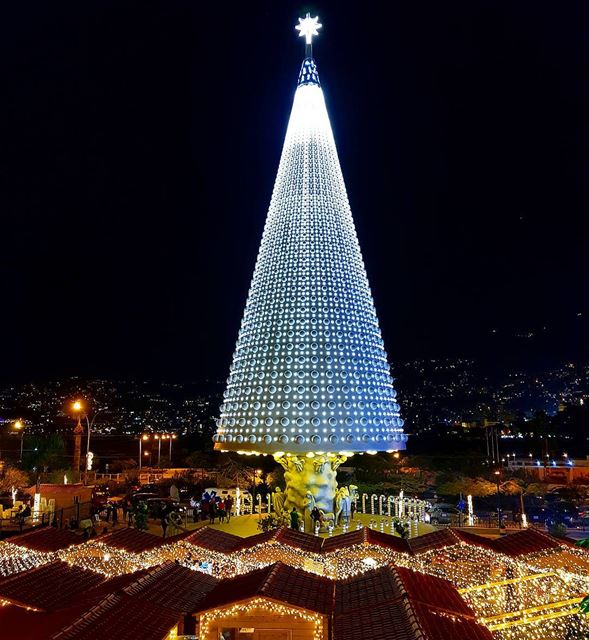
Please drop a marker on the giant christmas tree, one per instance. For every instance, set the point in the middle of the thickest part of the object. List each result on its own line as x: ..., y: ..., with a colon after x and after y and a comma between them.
x: 309, y: 382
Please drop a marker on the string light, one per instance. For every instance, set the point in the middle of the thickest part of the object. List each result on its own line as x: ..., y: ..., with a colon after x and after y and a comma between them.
x: 260, y: 606
x: 531, y: 597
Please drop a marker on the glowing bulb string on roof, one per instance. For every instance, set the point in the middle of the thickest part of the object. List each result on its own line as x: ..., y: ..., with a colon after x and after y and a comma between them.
x: 262, y: 607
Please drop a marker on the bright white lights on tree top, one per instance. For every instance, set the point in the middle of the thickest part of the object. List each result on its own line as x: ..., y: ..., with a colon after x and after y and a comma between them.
x: 308, y: 27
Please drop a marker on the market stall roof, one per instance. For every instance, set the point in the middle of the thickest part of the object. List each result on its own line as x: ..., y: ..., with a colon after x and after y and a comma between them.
x: 431, y: 590
x: 436, y: 624
x: 367, y: 590
x: 277, y: 582
x: 49, y: 587
x: 46, y: 539
x: 365, y: 535
x: 215, y: 540
x: 524, y: 542
x: 223, y: 542
x: 434, y: 540
x: 380, y: 622
x: 172, y: 586
x: 135, y: 541
x: 123, y: 617
x: 31, y: 625
x: 395, y: 603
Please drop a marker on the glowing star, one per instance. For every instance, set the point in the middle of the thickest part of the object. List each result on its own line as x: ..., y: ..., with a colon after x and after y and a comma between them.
x: 308, y: 27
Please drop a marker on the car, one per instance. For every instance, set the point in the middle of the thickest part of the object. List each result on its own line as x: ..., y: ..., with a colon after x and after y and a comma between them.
x: 156, y: 507
x: 444, y: 514
x: 100, y: 496
x: 147, y: 488
x: 136, y: 498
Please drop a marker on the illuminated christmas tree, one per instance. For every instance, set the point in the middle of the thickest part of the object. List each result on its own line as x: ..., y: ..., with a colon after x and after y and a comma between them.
x: 310, y: 382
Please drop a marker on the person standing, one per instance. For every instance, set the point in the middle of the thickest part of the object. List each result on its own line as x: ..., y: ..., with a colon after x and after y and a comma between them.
x: 229, y: 507
x: 222, y: 512
x: 294, y: 519
x: 194, y: 507
x: 315, y: 516
x: 164, y: 520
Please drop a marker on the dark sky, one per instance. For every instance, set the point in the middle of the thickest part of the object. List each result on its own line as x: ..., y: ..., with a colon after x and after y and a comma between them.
x: 140, y: 141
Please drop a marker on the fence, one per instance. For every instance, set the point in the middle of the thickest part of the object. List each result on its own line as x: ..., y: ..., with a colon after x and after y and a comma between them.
x: 61, y: 517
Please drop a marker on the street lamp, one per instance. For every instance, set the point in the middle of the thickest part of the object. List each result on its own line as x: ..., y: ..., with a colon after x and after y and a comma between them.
x: 78, y: 408
x: 497, y: 475
x: 159, y: 447
x: 173, y: 436
x: 142, y: 438
x: 19, y: 426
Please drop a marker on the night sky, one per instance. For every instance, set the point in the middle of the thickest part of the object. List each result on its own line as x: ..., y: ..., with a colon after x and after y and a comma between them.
x: 140, y: 142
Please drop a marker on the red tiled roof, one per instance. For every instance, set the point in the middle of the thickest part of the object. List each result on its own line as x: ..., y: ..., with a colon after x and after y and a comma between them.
x: 435, y: 540
x: 525, y: 541
x: 238, y: 588
x: 387, y: 540
x: 266, y: 537
x: 431, y: 590
x: 399, y: 604
x: 344, y: 540
x: 366, y: 590
x: 381, y: 622
x: 31, y: 625
x: 133, y: 540
x: 474, y: 539
x: 122, y: 617
x: 224, y: 542
x: 214, y: 540
x: 439, y: 625
x: 173, y: 586
x: 48, y: 587
x: 304, y: 541
x: 46, y: 539
x: 277, y: 582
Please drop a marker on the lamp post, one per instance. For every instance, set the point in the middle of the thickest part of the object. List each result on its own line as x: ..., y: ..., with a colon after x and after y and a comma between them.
x: 257, y: 474
x: 78, y: 408
x: 19, y: 426
x: 159, y: 447
x: 173, y: 436
x: 142, y: 438
x: 497, y: 475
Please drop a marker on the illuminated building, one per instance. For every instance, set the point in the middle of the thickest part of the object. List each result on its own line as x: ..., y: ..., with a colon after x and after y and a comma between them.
x: 309, y: 382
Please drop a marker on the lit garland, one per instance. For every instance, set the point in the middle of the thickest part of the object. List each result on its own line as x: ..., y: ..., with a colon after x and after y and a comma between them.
x: 14, y: 558
x: 100, y: 558
x: 532, y: 597
x: 261, y: 606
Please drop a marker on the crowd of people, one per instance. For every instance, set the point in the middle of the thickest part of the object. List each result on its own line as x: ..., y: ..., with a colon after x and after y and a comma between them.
x: 212, y: 506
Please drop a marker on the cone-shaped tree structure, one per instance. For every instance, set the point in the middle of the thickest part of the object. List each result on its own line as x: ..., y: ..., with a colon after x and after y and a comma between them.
x: 310, y: 375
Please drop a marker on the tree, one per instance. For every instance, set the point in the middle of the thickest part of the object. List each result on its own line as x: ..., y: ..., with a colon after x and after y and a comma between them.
x: 476, y: 487
x: 13, y: 477
x: 140, y: 516
x: 48, y: 451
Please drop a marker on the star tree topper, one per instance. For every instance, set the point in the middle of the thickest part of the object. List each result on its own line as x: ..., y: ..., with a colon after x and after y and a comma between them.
x: 308, y: 27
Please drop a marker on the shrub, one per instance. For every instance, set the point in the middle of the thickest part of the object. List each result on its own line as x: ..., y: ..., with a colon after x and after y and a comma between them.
x: 557, y: 530
x: 273, y: 521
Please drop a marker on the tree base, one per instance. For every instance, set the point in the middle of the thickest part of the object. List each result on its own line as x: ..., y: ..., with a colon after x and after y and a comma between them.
x: 311, y: 482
